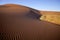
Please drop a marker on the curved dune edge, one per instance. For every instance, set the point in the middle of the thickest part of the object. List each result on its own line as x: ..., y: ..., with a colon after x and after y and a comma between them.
x: 14, y: 28
x: 53, y: 17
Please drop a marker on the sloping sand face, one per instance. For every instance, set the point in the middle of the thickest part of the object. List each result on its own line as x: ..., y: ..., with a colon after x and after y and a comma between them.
x: 13, y: 26
x: 19, y: 9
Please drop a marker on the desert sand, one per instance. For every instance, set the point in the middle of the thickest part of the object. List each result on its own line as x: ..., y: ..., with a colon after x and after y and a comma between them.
x: 15, y: 27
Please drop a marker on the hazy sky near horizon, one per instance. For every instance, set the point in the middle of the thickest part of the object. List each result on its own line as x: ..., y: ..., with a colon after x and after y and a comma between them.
x: 52, y: 5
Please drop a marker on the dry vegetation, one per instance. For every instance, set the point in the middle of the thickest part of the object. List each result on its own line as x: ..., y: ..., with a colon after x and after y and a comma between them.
x: 51, y: 16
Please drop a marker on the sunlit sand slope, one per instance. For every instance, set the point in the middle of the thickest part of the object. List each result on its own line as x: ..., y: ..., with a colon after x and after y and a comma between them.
x: 53, y: 17
x: 50, y: 16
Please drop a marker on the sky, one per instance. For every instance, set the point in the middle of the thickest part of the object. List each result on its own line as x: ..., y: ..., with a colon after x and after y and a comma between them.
x: 49, y: 5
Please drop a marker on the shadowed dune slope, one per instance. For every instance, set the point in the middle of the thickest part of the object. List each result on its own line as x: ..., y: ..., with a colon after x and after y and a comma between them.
x: 15, y: 26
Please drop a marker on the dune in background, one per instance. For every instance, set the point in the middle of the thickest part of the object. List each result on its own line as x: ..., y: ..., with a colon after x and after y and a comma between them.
x: 51, y: 16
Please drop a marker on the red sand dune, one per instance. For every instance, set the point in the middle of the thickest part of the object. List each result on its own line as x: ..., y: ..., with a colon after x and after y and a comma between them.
x: 13, y: 27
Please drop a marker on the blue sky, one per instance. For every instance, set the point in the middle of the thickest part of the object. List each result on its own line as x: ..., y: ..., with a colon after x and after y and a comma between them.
x: 52, y: 5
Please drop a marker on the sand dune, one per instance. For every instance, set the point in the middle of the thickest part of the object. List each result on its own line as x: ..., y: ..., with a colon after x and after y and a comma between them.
x: 50, y: 12
x: 13, y: 27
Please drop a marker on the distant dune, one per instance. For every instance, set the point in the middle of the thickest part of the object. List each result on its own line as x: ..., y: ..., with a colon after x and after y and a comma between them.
x: 50, y: 12
x: 51, y: 16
